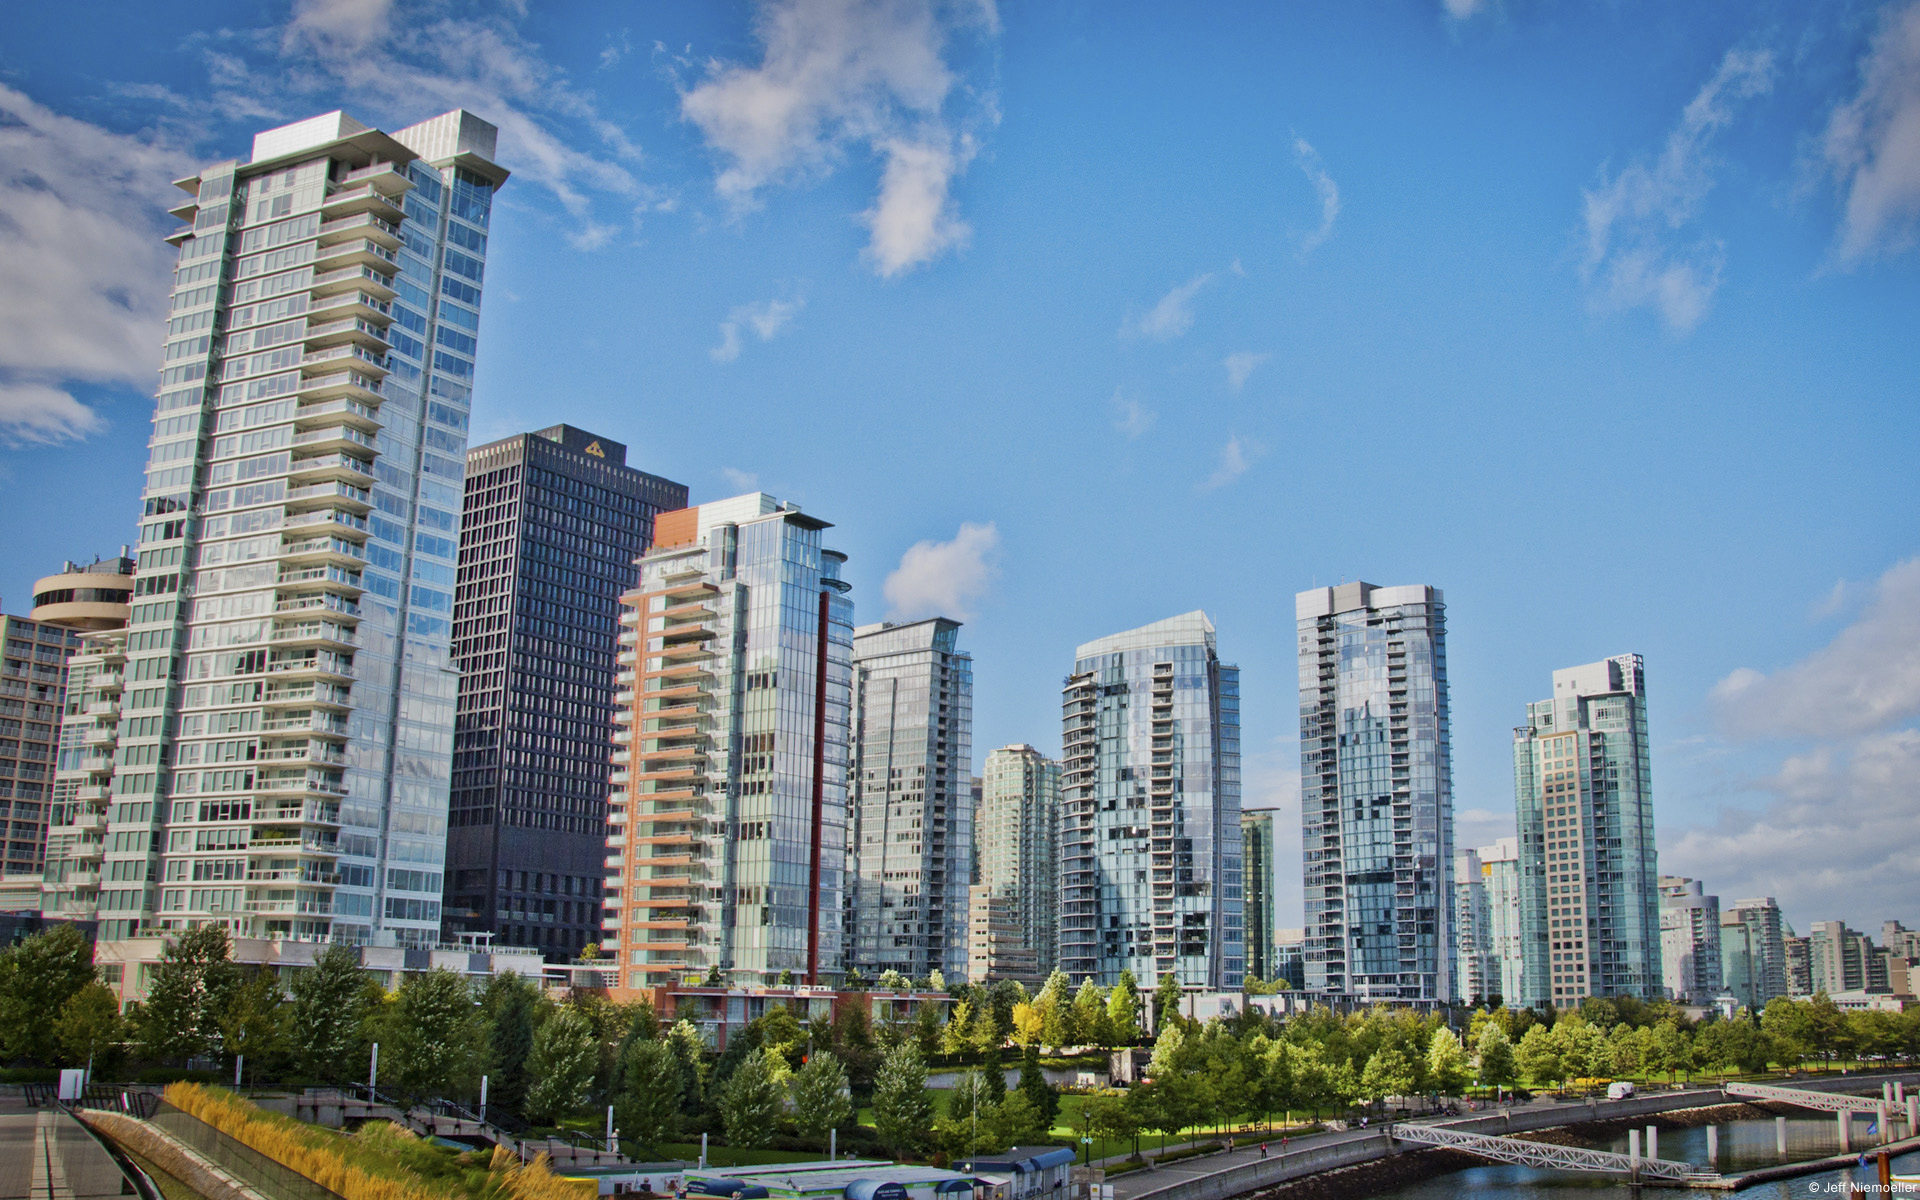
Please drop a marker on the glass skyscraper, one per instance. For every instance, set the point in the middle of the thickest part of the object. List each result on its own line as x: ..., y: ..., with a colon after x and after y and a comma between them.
x: 1150, y: 809
x: 552, y: 525
x: 1753, y: 960
x: 281, y: 754
x: 727, y: 809
x: 1583, y: 795
x: 1256, y: 840
x: 910, y: 857
x: 1018, y: 831
x: 1376, y: 792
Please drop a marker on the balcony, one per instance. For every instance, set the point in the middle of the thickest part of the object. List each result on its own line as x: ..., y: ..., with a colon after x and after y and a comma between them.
x: 338, y: 468
x: 353, y: 304
x: 362, y: 225
x: 318, y: 362
x: 353, y: 252
x: 330, y: 695
x: 329, y: 521
x: 363, y: 197
x: 337, y: 437
x: 330, y: 550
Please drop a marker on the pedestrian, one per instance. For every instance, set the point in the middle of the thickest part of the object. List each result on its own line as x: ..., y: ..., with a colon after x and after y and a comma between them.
x: 1263, y: 1149
x: 1229, y: 1143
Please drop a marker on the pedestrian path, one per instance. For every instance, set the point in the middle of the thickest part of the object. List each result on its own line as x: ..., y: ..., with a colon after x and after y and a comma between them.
x: 47, y: 1155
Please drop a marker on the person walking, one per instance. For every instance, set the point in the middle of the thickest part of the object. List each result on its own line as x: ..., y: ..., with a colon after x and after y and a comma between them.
x: 1263, y: 1149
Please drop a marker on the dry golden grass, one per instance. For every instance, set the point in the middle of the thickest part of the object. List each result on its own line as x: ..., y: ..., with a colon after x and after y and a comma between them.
x: 328, y: 1158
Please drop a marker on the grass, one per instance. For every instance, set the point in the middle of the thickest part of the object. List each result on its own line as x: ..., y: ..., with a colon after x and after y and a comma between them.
x: 170, y: 1188
x: 725, y: 1156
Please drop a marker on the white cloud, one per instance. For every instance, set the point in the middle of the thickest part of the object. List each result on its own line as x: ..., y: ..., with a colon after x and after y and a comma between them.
x: 842, y: 73
x: 1172, y: 316
x: 740, y: 481
x: 762, y: 319
x: 1865, y: 680
x: 1323, y: 186
x: 1872, y: 143
x: 1477, y: 827
x: 912, y: 220
x: 944, y: 578
x: 1240, y: 365
x: 1235, y: 457
x: 1837, y: 840
x: 1131, y: 417
x: 396, y: 64
x: 84, y: 275
x: 1632, y: 220
x: 40, y: 414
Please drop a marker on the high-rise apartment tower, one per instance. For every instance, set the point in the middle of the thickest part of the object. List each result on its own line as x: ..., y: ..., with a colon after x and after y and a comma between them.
x: 1376, y: 792
x: 910, y: 855
x: 1256, y: 852
x: 1690, y: 951
x: 1476, y: 970
x: 727, y: 809
x: 1017, y: 828
x: 1150, y: 809
x: 552, y: 525
x: 1583, y: 796
x: 1500, y: 869
x: 1753, y: 956
x: 286, y: 723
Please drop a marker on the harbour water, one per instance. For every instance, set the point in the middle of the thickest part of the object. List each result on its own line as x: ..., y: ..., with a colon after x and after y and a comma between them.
x: 1743, y: 1146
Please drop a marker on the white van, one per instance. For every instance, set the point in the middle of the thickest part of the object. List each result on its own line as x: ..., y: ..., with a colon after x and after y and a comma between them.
x: 1619, y: 1091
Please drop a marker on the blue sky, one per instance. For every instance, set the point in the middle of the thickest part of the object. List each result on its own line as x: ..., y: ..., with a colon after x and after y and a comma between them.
x: 1600, y: 317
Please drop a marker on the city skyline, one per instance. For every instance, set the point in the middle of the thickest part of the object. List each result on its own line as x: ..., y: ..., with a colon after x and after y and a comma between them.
x: 1186, y: 375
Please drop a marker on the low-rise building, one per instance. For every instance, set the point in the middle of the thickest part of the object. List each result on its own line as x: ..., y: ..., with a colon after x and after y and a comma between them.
x: 126, y: 965
x: 1022, y: 1173
x: 718, y: 1011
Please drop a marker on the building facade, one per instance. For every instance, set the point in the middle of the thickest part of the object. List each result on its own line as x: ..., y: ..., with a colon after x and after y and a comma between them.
x: 1796, y: 953
x: 1476, y: 973
x: 551, y: 527
x: 1256, y: 852
x: 1376, y: 797
x: 1838, y: 958
x: 1690, y: 949
x: 910, y: 855
x: 1017, y: 829
x: 1150, y: 855
x: 727, y: 805
x: 90, y: 604
x: 1583, y: 796
x: 996, y: 943
x: 1500, y: 868
x: 33, y: 699
x: 286, y: 723
x: 1753, y: 960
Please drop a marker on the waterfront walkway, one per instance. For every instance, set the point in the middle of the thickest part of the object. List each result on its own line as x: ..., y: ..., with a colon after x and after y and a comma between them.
x: 47, y: 1155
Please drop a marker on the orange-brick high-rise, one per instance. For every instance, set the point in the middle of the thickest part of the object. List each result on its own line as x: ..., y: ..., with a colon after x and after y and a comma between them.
x: 727, y: 816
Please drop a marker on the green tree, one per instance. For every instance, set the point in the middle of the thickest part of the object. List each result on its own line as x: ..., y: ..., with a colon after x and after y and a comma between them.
x: 928, y: 1032
x: 1123, y: 1010
x: 690, y: 1059
x: 1166, y: 1000
x: 648, y: 1105
x: 1389, y: 1072
x: 561, y: 1066
x: 1584, y: 1051
x: 983, y: 1036
x: 1272, y: 1087
x: 820, y: 1101
x: 1668, y: 1050
x: 1788, y: 1027
x: 956, y: 1038
x: 902, y: 1109
x: 512, y: 1007
x: 1090, y: 1016
x: 971, y: 1124
x: 1538, y: 1057
x: 1448, y: 1071
x: 1496, y: 1056
x: 184, y: 995
x: 433, y: 1037
x: 37, y: 978
x: 1043, y: 1096
x: 327, y: 1015
x: 755, y: 1100
x: 249, y: 1018
x: 1169, y: 1051
x: 90, y: 1029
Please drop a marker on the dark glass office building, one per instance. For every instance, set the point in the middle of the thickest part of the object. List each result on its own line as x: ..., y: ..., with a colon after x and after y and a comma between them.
x: 553, y: 523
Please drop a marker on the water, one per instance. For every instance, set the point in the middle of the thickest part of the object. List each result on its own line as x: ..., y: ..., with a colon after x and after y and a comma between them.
x: 1744, y: 1146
